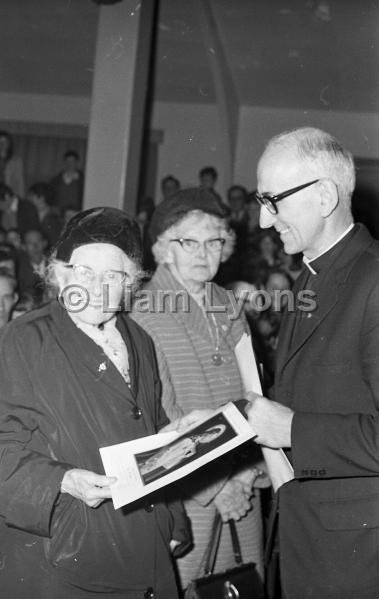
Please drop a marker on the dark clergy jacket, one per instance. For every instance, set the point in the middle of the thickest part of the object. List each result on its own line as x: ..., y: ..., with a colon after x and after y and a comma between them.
x: 329, y: 374
x: 61, y: 399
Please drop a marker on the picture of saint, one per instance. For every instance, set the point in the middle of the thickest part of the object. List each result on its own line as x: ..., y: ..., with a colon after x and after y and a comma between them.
x: 197, y: 442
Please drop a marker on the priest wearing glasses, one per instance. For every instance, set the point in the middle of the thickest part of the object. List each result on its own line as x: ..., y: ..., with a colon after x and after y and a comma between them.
x: 327, y: 373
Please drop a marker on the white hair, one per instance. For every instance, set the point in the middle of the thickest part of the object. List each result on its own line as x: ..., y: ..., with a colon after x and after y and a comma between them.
x: 323, y: 153
x: 161, y: 246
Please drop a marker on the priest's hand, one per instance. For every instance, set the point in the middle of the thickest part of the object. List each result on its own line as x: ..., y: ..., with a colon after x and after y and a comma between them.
x: 88, y: 486
x: 270, y: 420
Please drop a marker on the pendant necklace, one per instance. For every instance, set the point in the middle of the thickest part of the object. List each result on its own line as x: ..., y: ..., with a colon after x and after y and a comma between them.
x: 216, y: 357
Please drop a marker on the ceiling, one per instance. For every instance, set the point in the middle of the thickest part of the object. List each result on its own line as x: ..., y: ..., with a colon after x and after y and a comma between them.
x: 309, y: 54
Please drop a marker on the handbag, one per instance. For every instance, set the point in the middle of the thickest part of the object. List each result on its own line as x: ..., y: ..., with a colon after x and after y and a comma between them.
x: 241, y: 582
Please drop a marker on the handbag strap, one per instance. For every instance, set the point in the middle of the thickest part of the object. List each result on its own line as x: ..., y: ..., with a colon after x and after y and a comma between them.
x: 208, y: 560
x: 235, y: 542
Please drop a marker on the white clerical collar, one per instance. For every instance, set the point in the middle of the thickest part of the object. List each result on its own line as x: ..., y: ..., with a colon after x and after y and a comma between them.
x: 308, y: 261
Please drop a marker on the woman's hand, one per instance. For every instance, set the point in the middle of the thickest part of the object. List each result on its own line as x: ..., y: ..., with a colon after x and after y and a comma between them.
x: 233, y: 502
x: 181, y: 425
x: 88, y: 486
x: 256, y: 477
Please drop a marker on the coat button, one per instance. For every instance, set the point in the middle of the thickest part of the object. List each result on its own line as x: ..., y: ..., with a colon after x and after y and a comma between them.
x: 136, y: 413
x: 149, y: 593
x: 149, y: 507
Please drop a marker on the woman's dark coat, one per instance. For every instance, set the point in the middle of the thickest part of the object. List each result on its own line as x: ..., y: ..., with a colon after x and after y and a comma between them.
x: 61, y: 399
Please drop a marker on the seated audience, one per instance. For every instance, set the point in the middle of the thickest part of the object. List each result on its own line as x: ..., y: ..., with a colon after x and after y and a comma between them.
x: 207, y: 180
x: 13, y: 237
x: 169, y: 185
x: 67, y: 186
x: 8, y: 295
x: 278, y: 284
x: 11, y: 166
x: 8, y: 258
x: 253, y: 209
x: 50, y: 220
x: 16, y: 213
x: 238, y: 219
x: 68, y: 214
x: 292, y: 264
x: 32, y: 266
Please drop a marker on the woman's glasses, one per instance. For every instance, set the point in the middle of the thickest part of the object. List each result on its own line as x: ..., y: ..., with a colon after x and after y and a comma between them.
x: 192, y: 246
x: 86, y: 275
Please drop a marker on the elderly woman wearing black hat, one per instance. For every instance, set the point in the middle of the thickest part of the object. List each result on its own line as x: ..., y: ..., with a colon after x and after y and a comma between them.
x: 77, y: 375
x: 191, y: 322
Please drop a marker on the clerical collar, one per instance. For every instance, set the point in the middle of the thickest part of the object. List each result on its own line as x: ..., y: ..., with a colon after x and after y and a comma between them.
x: 315, y: 264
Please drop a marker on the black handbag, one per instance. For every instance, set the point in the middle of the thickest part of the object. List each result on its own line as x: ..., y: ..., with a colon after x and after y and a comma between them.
x: 241, y: 582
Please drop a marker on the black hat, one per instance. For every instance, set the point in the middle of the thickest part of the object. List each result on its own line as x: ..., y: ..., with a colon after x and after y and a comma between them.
x: 179, y: 204
x: 100, y: 225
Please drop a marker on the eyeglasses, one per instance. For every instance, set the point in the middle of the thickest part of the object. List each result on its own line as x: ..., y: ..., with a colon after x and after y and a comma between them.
x: 86, y: 275
x: 269, y: 201
x: 191, y: 246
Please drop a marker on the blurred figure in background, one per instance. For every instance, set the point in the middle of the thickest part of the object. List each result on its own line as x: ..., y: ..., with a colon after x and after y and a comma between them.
x: 238, y: 219
x: 16, y: 213
x: 269, y: 246
x: 32, y: 265
x: 68, y: 214
x: 3, y: 235
x: 291, y: 264
x: 207, y: 180
x: 11, y: 166
x: 169, y: 185
x: 8, y: 258
x: 8, y: 295
x: 13, y: 237
x: 67, y: 186
x: 50, y: 221
x: 252, y: 209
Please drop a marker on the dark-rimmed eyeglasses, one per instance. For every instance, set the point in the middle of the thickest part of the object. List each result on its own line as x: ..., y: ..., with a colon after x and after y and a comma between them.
x: 86, y: 275
x: 191, y: 246
x: 269, y: 201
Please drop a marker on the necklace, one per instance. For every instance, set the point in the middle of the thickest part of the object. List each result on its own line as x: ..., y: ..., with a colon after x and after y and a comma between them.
x: 216, y: 357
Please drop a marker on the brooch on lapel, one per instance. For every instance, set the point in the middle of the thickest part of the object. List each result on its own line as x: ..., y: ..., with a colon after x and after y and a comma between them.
x: 102, y: 367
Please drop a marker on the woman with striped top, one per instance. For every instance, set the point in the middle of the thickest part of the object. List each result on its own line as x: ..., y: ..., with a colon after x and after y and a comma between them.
x: 195, y: 331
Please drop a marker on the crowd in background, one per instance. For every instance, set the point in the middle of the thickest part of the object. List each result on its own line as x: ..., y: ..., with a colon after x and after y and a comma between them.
x: 30, y: 226
x: 30, y: 223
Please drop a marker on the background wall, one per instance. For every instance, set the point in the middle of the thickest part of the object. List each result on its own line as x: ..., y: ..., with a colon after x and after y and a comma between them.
x: 192, y: 138
x: 359, y: 132
x: 192, y: 135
